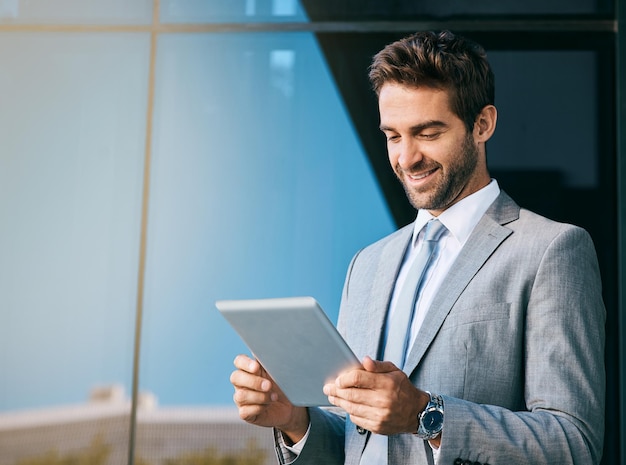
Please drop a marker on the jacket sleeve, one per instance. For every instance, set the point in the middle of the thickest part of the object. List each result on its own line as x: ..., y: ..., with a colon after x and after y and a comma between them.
x: 325, y: 443
x: 562, y: 421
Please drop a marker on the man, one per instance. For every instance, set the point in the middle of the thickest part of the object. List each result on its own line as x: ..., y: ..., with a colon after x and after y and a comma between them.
x: 507, y: 331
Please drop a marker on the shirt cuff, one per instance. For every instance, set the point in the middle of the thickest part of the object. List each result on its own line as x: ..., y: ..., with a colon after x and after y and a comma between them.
x: 436, y: 451
x: 288, y: 454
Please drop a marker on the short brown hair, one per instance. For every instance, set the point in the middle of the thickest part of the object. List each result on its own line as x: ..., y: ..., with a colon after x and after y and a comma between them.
x: 442, y: 61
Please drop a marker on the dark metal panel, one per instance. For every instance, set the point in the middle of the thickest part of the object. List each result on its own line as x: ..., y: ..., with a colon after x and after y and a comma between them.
x: 333, y: 10
x: 620, y: 61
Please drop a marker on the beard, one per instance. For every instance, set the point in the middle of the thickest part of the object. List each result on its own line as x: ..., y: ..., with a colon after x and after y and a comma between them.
x: 451, y: 181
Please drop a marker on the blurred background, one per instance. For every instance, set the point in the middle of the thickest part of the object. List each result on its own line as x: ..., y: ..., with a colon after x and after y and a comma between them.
x: 159, y: 155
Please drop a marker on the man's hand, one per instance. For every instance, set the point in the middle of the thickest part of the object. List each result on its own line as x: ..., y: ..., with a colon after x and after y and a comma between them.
x: 379, y: 398
x: 261, y: 402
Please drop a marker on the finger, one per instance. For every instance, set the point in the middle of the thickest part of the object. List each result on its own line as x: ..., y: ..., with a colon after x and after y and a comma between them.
x: 251, y: 413
x: 373, y: 414
x: 340, y: 402
x: 344, y: 398
x: 329, y: 389
x: 247, y: 397
x: 362, y: 395
x: 375, y: 366
x: 351, y: 402
x: 352, y: 379
x: 336, y: 395
x: 366, y: 424
x: 365, y: 379
x: 243, y: 362
x: 246, y: 380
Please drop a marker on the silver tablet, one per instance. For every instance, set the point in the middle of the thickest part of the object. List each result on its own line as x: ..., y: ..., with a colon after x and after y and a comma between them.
x: 294, y: 341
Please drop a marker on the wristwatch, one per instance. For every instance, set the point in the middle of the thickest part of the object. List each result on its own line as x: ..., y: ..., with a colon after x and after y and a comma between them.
x: 430, y: 420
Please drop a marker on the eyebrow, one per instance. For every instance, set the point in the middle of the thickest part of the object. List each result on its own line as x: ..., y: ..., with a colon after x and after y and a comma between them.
x: 419, y: 127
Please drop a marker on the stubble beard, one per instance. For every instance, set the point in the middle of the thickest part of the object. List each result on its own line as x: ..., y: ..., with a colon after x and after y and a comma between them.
x: 450, y: 183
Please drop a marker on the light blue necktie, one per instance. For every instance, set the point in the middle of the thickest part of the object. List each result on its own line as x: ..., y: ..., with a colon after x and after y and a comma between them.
x: 399, y: 326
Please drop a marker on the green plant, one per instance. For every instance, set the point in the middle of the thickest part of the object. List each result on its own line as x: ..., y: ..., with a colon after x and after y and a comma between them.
x: 96, y: 454
x: 251, y: 455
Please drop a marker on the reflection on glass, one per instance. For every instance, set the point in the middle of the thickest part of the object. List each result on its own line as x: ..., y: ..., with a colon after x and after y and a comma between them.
x: 260, y: 188
x: 282, y: 69
x: 231, y: 11
x: 284, y: 7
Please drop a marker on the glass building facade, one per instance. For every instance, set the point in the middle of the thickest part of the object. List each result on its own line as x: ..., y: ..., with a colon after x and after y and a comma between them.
x: 157, y: 156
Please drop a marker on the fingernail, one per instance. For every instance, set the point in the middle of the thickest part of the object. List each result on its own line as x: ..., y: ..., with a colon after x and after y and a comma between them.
x: 265, y: 385
x: 274, y: 397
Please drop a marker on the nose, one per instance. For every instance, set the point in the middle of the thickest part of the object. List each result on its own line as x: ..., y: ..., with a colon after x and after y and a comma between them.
x: 408, y: 154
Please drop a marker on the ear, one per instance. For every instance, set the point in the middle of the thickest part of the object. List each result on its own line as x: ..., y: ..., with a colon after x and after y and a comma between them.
x: 485, y: 124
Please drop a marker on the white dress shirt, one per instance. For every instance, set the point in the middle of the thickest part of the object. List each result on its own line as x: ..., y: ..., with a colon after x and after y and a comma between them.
x: 460, y: 220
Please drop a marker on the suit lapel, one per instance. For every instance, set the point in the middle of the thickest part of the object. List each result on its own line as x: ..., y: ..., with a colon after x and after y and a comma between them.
x: 387, y: 269
x: 372, y: 320
x: 484, y: 240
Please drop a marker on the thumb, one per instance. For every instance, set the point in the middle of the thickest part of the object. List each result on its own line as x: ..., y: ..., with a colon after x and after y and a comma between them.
x: 376, y: 366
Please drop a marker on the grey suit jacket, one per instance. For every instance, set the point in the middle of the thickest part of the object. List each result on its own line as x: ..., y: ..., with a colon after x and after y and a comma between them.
x: 514, y: 342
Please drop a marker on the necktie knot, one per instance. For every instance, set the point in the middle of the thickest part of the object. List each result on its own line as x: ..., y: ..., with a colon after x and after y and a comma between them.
x: 433, y: 231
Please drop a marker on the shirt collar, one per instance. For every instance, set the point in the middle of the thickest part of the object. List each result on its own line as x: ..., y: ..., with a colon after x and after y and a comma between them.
x: 462, y: 217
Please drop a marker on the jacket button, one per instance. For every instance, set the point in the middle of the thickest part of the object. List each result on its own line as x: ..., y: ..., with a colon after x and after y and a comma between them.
x: 458, y: 461
x: 360, y: 430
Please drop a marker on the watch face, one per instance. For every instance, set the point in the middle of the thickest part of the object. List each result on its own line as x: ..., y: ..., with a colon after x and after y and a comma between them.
x: 432, y: 421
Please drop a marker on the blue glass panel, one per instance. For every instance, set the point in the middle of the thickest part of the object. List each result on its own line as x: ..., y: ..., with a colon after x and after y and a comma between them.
x: 231, y: 11
x: 260, y: 188
x: 76, y: 11
x: 73, y: 124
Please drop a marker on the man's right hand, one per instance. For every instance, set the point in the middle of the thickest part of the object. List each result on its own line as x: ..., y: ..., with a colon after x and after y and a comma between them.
x: 261, y: 402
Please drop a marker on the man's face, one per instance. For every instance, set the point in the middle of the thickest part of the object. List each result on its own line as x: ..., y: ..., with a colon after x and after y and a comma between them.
x: 429, y: 148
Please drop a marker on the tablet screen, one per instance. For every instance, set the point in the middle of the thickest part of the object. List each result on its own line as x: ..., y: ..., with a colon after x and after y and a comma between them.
x: 294, y: 341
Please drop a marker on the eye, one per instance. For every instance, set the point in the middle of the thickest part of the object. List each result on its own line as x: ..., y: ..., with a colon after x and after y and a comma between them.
x: 430, y: 135
x: 392, y: 137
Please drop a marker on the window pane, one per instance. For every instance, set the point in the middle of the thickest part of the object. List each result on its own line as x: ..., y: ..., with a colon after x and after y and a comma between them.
x: 259, y: 189
x: 73, y: 124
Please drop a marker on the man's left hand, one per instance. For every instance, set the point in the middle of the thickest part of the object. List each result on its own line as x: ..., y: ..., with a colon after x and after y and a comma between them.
x: 379, y: 398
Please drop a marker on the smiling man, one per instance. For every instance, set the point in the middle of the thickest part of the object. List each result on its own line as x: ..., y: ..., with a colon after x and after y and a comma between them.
x: 480, y: 326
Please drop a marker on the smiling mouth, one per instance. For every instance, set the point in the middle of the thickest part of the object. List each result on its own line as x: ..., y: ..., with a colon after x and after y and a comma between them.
x: 420, y: 176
